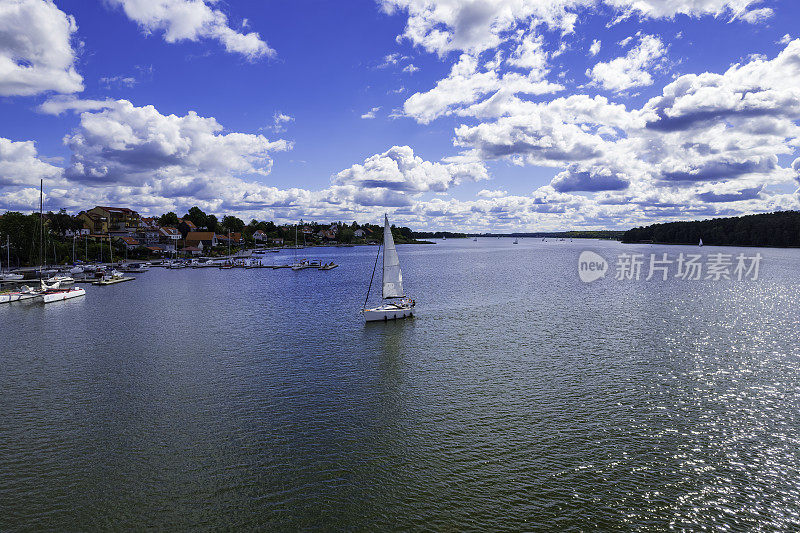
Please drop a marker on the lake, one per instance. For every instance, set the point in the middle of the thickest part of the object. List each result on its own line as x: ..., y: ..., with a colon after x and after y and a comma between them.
x: 518, y: 397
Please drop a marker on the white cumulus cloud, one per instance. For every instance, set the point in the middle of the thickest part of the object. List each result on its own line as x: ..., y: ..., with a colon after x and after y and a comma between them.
x: 36, y: 53
x: 631, y: 70
x: 193, y: 20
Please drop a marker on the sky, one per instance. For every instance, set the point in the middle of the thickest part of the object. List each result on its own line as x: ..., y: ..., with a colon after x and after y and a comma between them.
x: 471, y: 115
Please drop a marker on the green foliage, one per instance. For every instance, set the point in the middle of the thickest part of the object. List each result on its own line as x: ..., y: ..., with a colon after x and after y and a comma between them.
x: 168, y: 219
x: 779, y: 229
x: 211, y: 223
x: 23, y: 232
x: 232, y: 223
x: 197, y: 216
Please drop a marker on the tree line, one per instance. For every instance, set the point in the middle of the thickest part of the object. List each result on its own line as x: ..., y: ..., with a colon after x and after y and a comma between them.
x: 779, y: 229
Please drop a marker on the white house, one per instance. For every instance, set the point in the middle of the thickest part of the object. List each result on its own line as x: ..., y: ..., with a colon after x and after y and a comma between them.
x: 76, y: 233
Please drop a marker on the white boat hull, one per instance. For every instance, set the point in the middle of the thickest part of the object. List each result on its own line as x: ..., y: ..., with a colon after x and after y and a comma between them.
x: 387, y: 312
x: 62, y: 295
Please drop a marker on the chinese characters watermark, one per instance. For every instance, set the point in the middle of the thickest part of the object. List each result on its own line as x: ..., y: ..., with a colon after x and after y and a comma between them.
x: 661, y: 267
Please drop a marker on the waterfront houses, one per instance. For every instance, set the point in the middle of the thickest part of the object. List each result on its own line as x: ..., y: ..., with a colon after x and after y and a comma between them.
x: 201, y: 239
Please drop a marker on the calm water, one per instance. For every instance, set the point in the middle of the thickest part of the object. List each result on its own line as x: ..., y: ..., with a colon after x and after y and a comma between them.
x: 519, y: 398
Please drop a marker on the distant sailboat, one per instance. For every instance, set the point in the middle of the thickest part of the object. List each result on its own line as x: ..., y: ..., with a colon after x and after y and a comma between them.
x: 396, y: 305
x: 700, y: 243
x: 516, y: 241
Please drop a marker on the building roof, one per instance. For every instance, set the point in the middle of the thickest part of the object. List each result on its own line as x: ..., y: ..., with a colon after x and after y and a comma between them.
x: 118, y: 210
x: 188, y: 222
x: 166, y: 230
x: 200, y: 236
x: 191, y: 249
x: 129, y: 240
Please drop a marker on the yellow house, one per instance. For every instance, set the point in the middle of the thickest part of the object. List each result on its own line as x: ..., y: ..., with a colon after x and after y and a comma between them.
x: 116, y: 218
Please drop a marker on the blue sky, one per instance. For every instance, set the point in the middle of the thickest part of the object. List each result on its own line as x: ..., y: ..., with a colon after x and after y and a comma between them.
x: 473, y: 115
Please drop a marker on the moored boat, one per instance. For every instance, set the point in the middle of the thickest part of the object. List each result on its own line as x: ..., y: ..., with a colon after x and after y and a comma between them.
x: 58, y: 295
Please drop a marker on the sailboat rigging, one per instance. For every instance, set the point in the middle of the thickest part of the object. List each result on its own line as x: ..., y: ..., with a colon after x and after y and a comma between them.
x: 396, y: 304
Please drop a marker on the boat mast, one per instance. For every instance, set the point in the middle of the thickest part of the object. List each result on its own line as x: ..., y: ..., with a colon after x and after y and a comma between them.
x: 41, y: 228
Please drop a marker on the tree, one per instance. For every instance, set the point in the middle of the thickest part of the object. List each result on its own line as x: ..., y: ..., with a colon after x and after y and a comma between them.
x: 197, y: 216
x: 168, y: 219
x: 212, y: 223
x: 346, y: 234
x: 23, y: 231
x: 232, y: 223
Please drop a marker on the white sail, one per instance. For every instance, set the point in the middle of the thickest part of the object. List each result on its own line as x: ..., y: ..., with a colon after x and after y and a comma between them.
x: 392, y: 276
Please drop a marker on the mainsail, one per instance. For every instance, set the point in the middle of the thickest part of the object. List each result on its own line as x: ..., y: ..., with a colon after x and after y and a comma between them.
x: 392, y: 276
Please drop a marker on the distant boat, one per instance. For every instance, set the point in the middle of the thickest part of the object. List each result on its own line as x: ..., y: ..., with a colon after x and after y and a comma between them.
x: 328, y: 266
x: 700, y: 243
x: 475, y: 239
x: 396, y: 304
x: 516, y: 241
x: 133, y: 267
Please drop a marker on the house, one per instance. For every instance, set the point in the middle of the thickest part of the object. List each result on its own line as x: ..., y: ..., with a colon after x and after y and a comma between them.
x: 168, y: 238
x: 359, y: 233
x: 193, y: 250
x: 129, y: 242
x: 201, y: 239
x: 186, y: 226
x: 277, y: 240
x: 118, y: 218
x: 326, y: 235
x: 148, y: 222
x: 76, y: 233
x: 334, y: 229
x: 259, y: 236
x: 148, y: 235
x: 95, y: 224
x: 236, y: 238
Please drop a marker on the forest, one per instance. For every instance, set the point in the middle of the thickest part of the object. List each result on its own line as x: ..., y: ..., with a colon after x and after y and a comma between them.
x: 779, y: 229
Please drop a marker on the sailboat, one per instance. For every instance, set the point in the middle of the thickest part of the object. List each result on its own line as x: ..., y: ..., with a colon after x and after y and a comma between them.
x: 516, y: 241
x: 396, y: 304
x: 700, y: 243
x: 9, y: 276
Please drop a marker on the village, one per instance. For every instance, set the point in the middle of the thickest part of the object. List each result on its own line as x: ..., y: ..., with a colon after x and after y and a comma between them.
x: 97, y: 234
